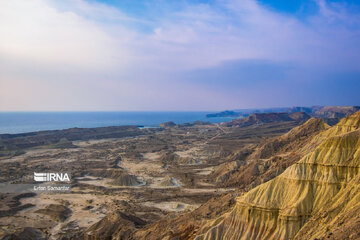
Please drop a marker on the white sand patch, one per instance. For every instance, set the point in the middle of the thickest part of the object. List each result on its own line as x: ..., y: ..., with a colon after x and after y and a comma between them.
x: 104, y: 182
x: 152, y: 155
x: 172, y: 206
x: 204, y: 171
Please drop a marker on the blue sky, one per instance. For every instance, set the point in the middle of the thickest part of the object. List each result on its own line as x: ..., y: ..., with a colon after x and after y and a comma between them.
x: 178, y: 55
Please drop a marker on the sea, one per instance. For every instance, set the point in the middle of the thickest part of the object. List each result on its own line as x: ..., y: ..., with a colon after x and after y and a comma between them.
x: 21, y: 122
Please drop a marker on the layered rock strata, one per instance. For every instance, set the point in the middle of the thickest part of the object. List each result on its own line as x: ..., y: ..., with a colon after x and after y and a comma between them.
x: 280, y: 208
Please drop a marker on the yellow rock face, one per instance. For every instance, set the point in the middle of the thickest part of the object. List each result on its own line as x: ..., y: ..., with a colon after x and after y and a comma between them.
x: 346, y: 125
x: 280, y: 208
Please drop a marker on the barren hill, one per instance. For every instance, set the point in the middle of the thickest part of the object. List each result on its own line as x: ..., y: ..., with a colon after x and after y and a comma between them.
x: 307, y: 199
x: 271, y: 158
x: 263, y: 118
x: 267, y: 162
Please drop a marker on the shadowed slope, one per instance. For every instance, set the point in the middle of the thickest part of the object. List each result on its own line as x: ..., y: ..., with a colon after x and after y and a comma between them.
x: 272, y: 158
x: 116, y: 225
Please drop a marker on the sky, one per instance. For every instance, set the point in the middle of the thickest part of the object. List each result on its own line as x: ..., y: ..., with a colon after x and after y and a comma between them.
x: 184, y: 55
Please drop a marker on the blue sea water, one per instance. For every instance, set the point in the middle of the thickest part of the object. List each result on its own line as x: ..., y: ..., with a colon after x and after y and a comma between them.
x: 20, y: 122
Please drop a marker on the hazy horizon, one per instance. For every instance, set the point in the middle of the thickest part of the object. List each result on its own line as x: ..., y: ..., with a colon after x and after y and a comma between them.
x: 160, y: 111
x: 190, y: 55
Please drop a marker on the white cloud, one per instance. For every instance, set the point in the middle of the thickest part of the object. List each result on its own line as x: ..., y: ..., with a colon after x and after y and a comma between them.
x: 87, y: 47
x: 33, y: 31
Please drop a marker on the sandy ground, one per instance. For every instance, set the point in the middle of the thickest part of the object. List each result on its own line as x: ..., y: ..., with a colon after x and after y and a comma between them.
x: 168, y: 186
x: 172, y: 206
x: 80, y: 216
x: 92, y: 142
x: 149, y: 166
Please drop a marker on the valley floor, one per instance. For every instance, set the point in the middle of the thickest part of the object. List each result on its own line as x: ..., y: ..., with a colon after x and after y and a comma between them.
x: 153, y: 176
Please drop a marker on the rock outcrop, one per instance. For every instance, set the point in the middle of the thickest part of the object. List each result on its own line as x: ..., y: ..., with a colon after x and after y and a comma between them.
x: 56, y: 211
x: 119, y: 177
x: 26, y: 233
x: 115, y: 226
x: 325, y: 182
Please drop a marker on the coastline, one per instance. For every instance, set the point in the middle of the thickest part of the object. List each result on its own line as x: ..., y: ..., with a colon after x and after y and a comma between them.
x: 25, y: 122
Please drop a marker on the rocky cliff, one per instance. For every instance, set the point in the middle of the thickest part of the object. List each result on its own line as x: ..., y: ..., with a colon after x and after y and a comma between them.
x: 325, y: 182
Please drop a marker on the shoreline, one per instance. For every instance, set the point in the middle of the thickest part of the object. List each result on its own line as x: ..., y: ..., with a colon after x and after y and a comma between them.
x: 24, y: 122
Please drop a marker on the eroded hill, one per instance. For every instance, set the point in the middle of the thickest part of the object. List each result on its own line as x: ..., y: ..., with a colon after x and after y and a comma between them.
x: 311, y: 199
